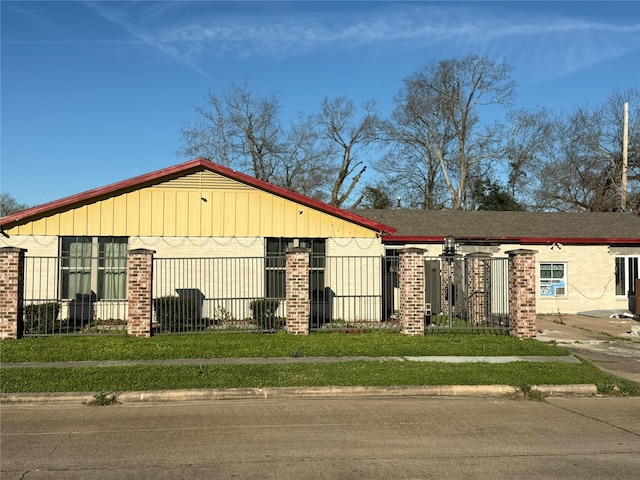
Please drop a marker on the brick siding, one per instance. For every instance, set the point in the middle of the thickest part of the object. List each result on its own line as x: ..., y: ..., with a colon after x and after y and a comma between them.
x: 139, y: 292
x: 297, y: 290
x: 522, y: 293
x: 11, y: 291
x: 412, y: 287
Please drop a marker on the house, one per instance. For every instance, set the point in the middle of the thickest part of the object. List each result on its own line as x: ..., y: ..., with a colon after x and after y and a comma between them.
x: 218, y: 240
x: 77, y: 246
x: 585, y: 261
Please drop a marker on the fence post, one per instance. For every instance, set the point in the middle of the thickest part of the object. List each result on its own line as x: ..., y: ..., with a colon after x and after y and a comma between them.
x: 478, y: 271
x: 412, y: 294
x: 11, y: 292
x: 297, y: 290
x: 140, y: 292
x: 522, y: 293
x: 637, y: 312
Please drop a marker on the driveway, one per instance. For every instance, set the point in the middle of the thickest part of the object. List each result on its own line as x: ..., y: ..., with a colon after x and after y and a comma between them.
x: 609, y: 343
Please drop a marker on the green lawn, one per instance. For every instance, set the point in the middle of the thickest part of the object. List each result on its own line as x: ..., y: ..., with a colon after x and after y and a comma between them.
x: 115, y: 379
x: 371, y: 373
x: 216, y: 345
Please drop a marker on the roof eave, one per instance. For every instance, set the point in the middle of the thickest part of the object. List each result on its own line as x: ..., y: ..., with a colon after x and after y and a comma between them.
x: 411, y: 239
x: 14, y: 219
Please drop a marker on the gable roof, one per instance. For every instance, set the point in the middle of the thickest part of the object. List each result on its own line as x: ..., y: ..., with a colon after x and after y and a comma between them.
x: 430, y: 226
x: 191, y: 166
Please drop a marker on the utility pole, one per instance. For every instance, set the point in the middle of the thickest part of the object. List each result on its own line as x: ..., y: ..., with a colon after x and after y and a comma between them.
x: 625, y: 150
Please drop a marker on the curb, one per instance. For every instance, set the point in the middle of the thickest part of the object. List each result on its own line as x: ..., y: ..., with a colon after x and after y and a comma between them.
x: 293, y: 392
x: 554, y: 390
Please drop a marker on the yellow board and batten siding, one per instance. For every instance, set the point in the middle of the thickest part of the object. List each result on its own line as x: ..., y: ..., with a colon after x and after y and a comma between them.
x: 200, y: 204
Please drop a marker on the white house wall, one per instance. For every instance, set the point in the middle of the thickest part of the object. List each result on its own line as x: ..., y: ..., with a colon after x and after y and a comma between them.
x: 353, y: 273
x: 590, y: 279
x: 590, y: 270
x: 590, y: 274
x: 222, y: 268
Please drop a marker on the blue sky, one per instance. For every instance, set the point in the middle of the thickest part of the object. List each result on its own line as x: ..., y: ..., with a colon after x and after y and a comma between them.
x: 97, y: 92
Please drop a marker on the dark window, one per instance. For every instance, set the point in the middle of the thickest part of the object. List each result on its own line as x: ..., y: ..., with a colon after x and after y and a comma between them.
x: 626, y: 274
x: 275, y: 275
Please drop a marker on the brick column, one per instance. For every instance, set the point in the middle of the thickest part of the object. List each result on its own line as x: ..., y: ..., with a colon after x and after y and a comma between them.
x: 11, y: 292
x: 522, y: 293
x: 478, y: 271
x: 412, y: 284
x: 139, y: 292
x: 298, y: 306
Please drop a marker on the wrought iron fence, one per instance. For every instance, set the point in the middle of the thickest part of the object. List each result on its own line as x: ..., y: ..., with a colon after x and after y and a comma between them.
x: 248, y: 294
x: 217, y: 294
x: 346, y: 293
x: 467, y: 294
x: 353, y: 293
x: 67, y: 295
x: 64, y: 295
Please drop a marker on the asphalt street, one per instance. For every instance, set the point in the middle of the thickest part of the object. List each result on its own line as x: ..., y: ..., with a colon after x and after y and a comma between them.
x: 353, y: 438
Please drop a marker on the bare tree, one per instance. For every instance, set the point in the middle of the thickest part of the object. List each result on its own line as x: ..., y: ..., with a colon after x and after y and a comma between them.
x: 239, y: 131
x: 304, y: 166
x: 9, y: 205
x: 583, y: 166
x: 525, y: 147
x: 344, y: 132
x: 315, y: 155
x: 437, y: 116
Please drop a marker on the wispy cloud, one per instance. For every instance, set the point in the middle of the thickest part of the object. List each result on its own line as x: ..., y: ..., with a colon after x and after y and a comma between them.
x: 192, y: 33
x: 143, y: 35
x: 558, y: 44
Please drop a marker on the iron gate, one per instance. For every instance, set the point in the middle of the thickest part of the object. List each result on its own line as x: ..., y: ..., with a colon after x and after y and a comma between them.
x: 466, y: 293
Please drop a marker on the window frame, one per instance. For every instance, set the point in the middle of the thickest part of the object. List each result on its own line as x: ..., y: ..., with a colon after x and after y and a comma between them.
x: 629, y: 264
x: 95, y: 265
x: 547, y: 285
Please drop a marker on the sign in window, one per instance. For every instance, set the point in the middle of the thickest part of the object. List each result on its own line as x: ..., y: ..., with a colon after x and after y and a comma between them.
x: 553, y: 281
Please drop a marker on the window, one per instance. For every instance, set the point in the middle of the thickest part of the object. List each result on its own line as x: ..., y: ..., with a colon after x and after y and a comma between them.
x: 275, y: 275
x: 94, y: 266
x: 553, y: 279
x: 626, y: 274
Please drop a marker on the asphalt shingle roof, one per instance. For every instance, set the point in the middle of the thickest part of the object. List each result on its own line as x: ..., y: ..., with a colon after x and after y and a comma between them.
x: 500, y: 224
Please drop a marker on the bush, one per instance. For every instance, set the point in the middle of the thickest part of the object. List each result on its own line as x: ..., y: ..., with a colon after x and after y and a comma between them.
x: 175, y: 314
x: 263, y: 311
x: 42, y: 318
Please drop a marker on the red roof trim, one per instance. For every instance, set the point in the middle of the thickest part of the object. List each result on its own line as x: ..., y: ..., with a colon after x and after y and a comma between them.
x: 408, y: 239
x: 191, y: 165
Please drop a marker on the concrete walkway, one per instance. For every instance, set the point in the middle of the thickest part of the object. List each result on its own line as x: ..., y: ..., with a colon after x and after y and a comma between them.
x: 294, y: 392
x: 609, y: 343
x: 288, y: 360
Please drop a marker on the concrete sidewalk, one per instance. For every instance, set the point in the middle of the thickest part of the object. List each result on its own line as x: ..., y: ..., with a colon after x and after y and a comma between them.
x: 609, y: 343
x: 581, y: 328
x: 290, y: 360
x: 295, y: 392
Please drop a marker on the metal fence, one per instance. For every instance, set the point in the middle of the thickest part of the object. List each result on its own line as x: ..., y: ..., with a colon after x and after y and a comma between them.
x: 467, y: 294
x: 216, y: 294
x: 248, y: 294
x: 63, y: 295
x: 352, y: 294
